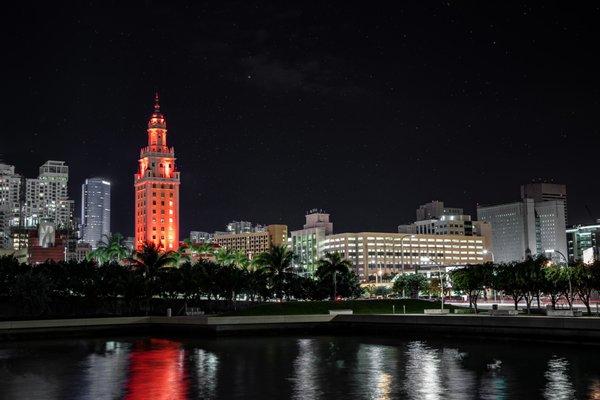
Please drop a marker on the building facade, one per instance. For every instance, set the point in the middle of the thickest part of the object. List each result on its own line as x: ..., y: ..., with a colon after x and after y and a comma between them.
x: 435, y: 209
x: 10, y: 191
x: 243, y: 227
x: 545, y: 192
x: 583, y: 243
x: 200, y: 237
x: 157, y: 188
x: 25, y: 203
x: 378, y: 253
x: 305, y: 242
x: 95, y: 211
x: 253, y: 243
x: 525, y: 228
x: 46, y: 197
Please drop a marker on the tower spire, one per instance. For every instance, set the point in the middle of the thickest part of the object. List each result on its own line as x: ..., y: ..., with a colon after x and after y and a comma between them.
x: 156, y: 103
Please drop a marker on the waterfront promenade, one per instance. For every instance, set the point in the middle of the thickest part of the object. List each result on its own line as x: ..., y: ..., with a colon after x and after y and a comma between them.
x: 580, y: 329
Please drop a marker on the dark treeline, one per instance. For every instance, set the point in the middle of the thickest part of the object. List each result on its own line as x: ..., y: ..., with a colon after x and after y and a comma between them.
x: 529, y: 280
x: 150, y: 280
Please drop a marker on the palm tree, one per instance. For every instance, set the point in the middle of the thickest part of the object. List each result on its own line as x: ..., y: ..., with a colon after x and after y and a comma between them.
x: 111, y: 248
x: 330, y: 265
x: 277, y: 263
x: 150, y: 260
x: 224, y: 256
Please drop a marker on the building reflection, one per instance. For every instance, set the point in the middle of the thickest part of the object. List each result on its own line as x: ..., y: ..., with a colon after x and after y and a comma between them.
x: 156, y: 371
x: 106, y: 371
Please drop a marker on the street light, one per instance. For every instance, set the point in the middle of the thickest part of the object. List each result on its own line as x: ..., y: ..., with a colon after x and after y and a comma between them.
x: 485, y: 252
x: 428, y: 259
x: 550, y: 251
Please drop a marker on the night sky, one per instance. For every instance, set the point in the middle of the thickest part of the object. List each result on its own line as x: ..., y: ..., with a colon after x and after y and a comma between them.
x: 361, y: 110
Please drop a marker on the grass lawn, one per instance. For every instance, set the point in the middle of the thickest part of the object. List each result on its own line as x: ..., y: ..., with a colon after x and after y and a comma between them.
x: 358, y: 306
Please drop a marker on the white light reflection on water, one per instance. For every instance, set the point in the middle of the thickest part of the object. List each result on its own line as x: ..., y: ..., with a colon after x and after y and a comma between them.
x: 558, y: 385
x: 106, y: 372
x: 375, y: 370
x: 423, y: 380
x: 207, y: 365
x: 306, y: 375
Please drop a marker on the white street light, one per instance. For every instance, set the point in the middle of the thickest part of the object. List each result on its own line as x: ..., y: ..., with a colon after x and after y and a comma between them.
x: 428, y: 259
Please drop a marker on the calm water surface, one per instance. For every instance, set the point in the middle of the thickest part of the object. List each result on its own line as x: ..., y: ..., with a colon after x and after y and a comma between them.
x: 290, y: 367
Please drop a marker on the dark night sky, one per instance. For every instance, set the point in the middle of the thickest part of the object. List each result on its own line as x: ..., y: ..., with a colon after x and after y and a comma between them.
x: 273, y: 110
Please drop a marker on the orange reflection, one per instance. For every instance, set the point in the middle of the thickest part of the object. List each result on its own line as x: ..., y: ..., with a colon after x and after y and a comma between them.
x: 156, y: 371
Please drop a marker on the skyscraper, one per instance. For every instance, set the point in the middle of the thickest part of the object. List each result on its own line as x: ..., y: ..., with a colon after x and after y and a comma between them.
x: 545, y: 192
x: 95, y: 210
x: 10, y: 187
x: 157, y: 188
x: 46, y: 197
x: 525, y: 228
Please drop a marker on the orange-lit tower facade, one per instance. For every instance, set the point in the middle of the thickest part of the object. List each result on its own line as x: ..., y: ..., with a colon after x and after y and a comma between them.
x: 157, y: 188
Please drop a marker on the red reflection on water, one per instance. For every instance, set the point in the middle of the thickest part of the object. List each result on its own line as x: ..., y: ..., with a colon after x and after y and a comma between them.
x: 156, y: 371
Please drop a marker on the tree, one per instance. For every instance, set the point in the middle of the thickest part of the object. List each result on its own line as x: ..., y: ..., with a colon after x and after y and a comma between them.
x: 530, y: 278
x: 149, y: 261
x: 507, y: 280
x: 586, y: 278
x: 277, y: 263
x: 411, y: 283
x: 472, y: 279
x: 555, y: 283
x: 329, y: 266
x: 110, y: 248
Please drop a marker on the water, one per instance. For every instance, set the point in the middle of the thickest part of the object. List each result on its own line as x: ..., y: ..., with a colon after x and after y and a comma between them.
x: 288, y: 367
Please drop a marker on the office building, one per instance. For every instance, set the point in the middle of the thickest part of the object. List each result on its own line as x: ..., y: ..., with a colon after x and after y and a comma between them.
x: 95, y: 211
x: 583, y: 242
x: 435, y: 210
x: 378, y: 253
x: 305, y: 242
x: 525, y: 228
x: 253, y: 243
x: 157, y: 188
x: 545, y: 192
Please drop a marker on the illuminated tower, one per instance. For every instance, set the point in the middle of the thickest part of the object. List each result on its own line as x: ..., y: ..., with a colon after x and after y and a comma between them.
x: 157, y: 188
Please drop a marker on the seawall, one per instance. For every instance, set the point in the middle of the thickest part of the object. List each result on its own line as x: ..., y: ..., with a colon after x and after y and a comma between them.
x: 582, y: 329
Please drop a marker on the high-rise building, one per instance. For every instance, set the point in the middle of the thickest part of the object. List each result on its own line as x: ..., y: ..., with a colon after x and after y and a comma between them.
x: 435, y: 209
x: 545, y: 192
x: 305, y: 242
x: 46, y: 197
x: 525, y: 228
x: 10, y: 190
x: 583, y: 242
x: 25, y: 203
x: 376, y: 253
x: 95, y: 210
x: 253, y: 243
x: 157, y: 188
